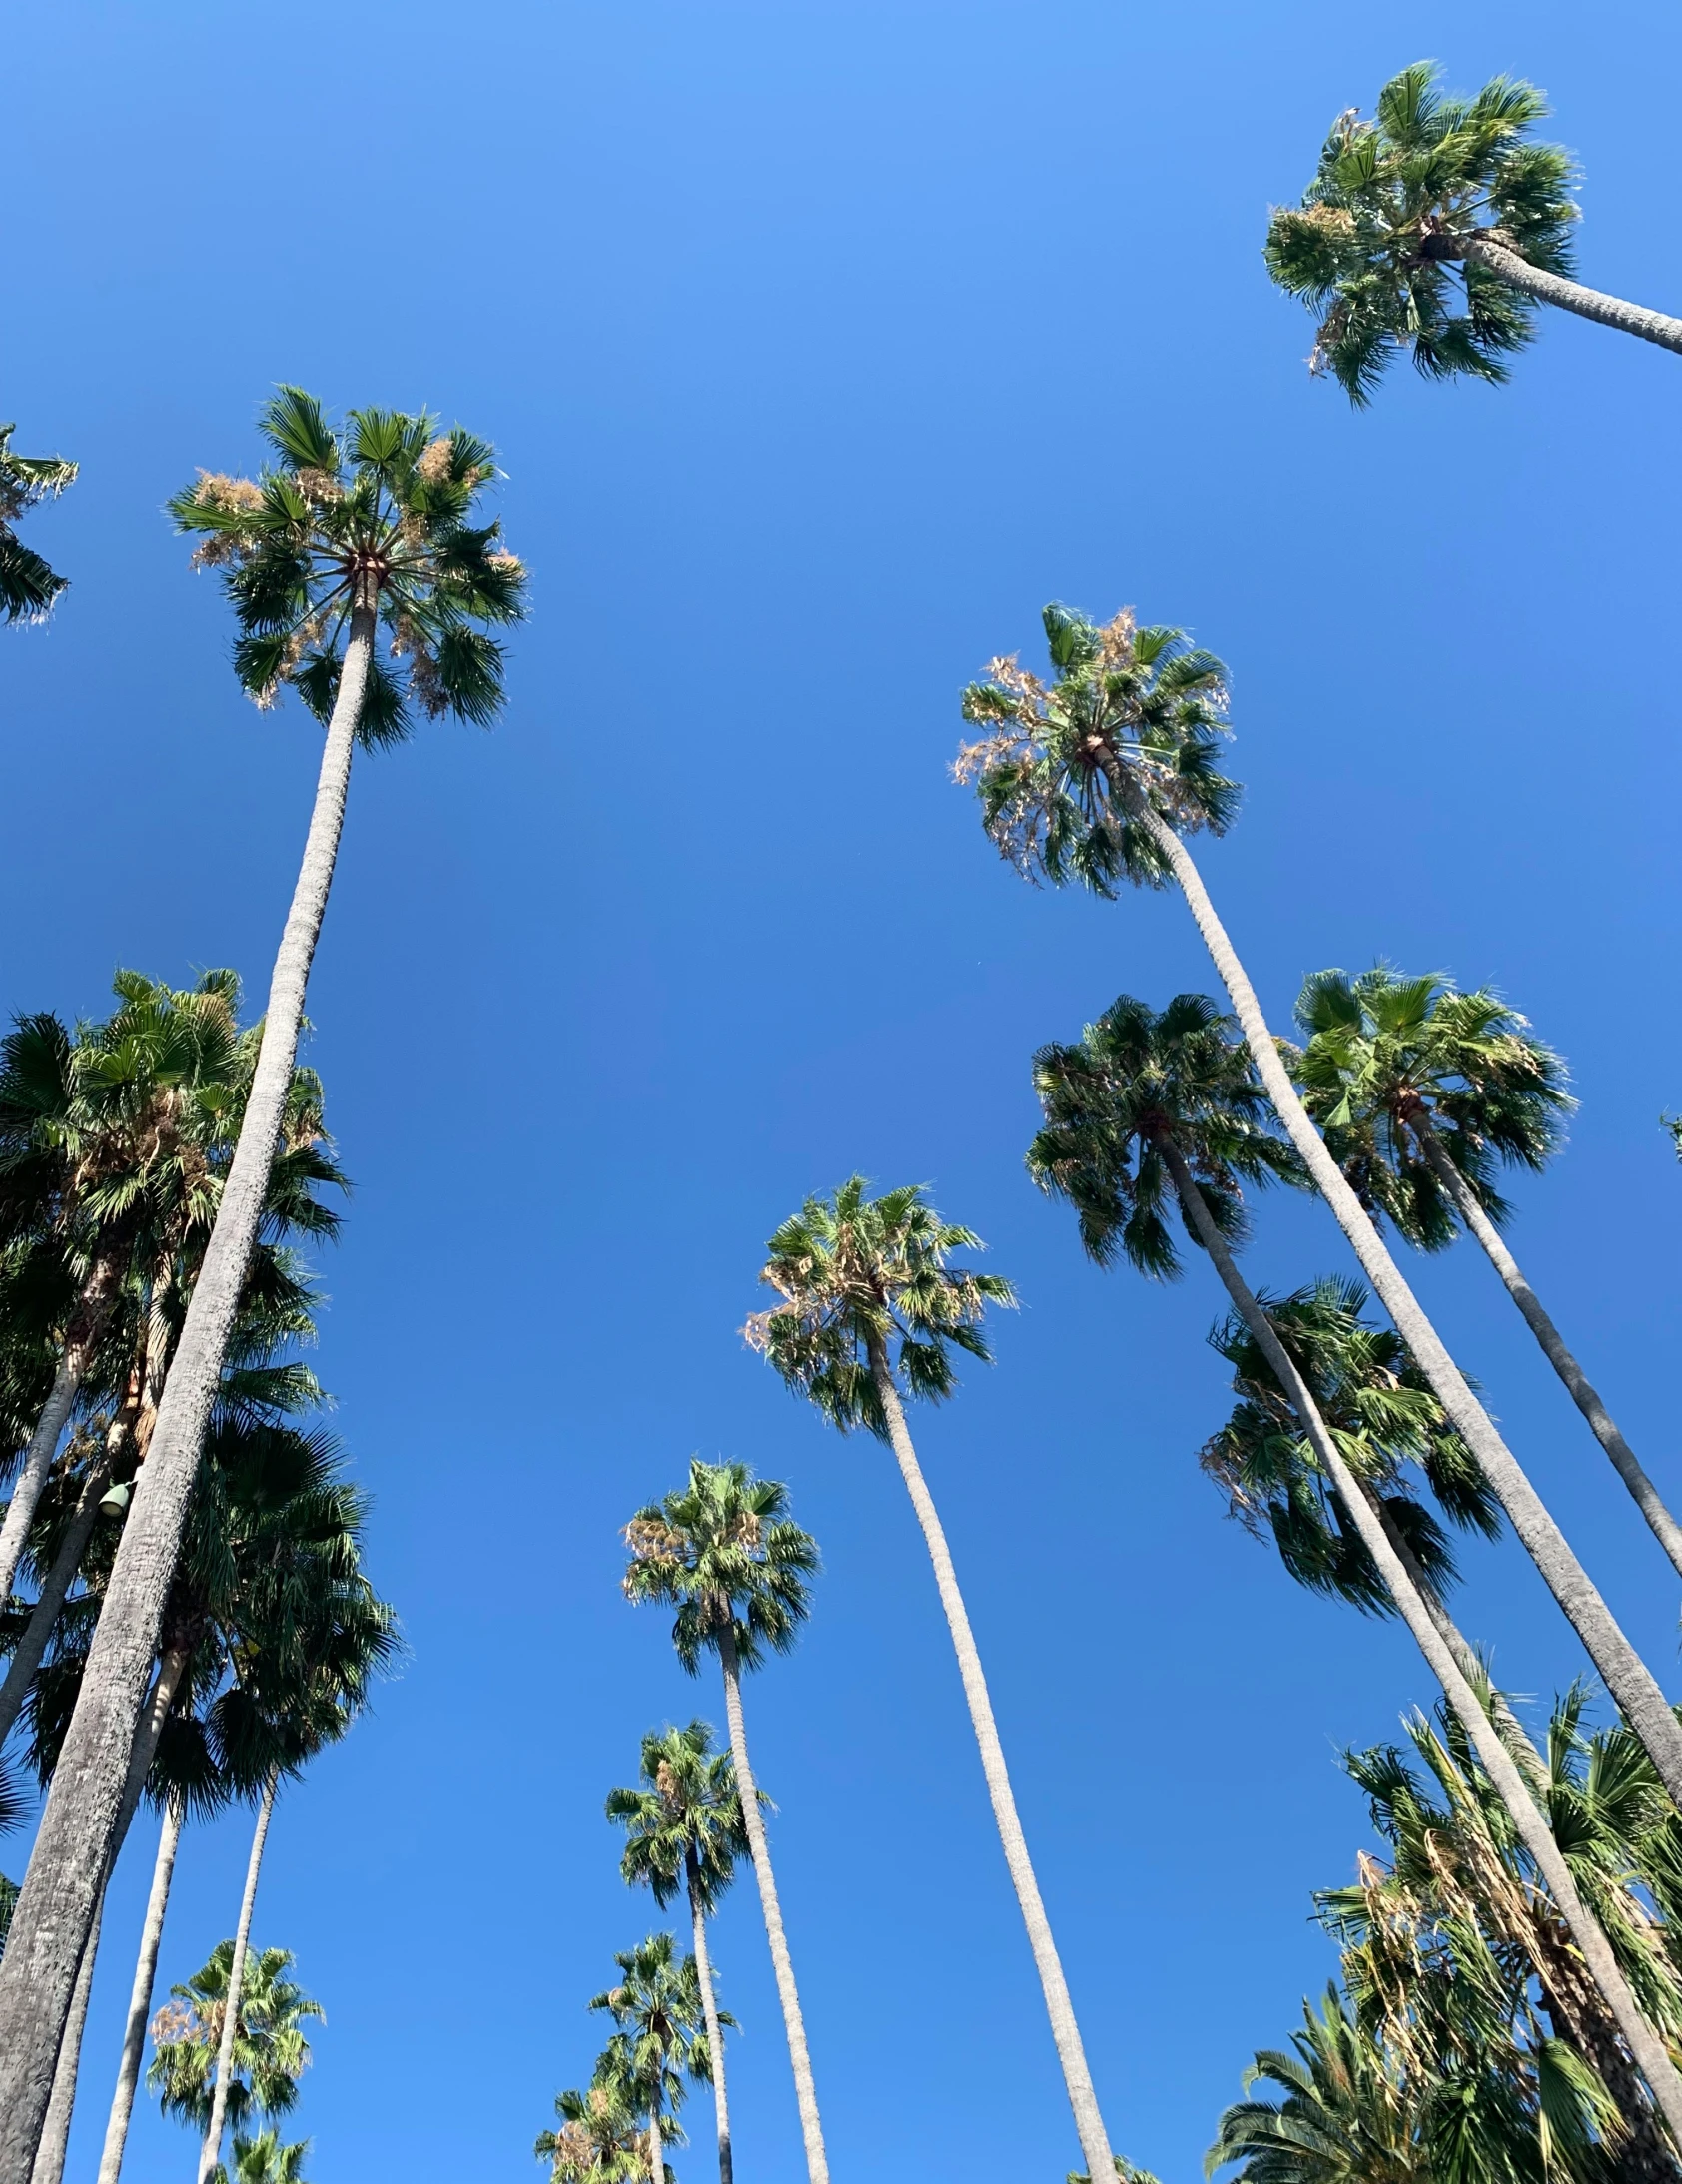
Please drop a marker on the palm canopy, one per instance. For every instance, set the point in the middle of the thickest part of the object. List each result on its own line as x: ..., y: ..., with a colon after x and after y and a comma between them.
x: 683, y: 1822
x: 856, y: 1273
x: 28, y: 586
x: 726, y: 1553
x: 600, y: 2140
x: 1392, y: 1064
x: 1131, y: 715
x: 1341, y: 2116
x: 1378, y: 247
x: 271, y: 2051
x: 1135, y: 1082
x: 379, y: 517
x: 1386, y: 1422
x: 659, y: 2028
x: 263, y: 2160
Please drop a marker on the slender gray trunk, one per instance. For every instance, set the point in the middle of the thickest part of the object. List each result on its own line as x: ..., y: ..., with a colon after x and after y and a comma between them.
x: 805, y: 2090
x: 1644, y: 1492
x: 53, y: 1914
x: 656, y: 2152
x: 1622, y: 1669
x: 1555, y: 288
x: 1652, y: 2056
x: 211, y: 2151
x: 140, y: 1997
x: 43, y: 1616
x: 715, y: 2033
x: 1065, y: 2032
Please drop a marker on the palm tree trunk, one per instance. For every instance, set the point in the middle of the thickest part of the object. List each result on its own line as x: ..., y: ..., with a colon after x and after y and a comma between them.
x: 1624, y: 1460
x: 1076, y: 2078
x: 1622, y: 1669
x: 1652, y: 2056
x: 805, y: 2089
x: 140, y: 1997
x: 43, y: 1616
x: 656, y: 2152
x: 93, y: 1307
x: 53, y: 1914
x: 715, y: 2033
x: 1555, y: 288
x: 212, y: 2152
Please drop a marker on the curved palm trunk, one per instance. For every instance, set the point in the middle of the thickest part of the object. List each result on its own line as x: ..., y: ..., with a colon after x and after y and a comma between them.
x: 805, y: 2089
x: 1622, y: 1669
x: 210, y: 2153
x: 140, y: 1997
x: 43, y: 1616
x: 1076, y: 2078
x: 53, y: 1914
x: 1644, y: 1493
x: 1555, y: 288
x: 715, y: 2033
x: 1652, y: 2056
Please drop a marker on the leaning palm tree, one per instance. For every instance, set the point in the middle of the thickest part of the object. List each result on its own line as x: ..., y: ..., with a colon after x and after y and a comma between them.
x: 660, y: 2036
x: 724, y: 1552
x: 865, y: 1288
x: 1146, y: 1104
x: 336, y: 541
x: 1096, y: 778
x: 1437, y: 228
x: 28, y: 586
x: 684, y: 1832
x: 1422, y: 1091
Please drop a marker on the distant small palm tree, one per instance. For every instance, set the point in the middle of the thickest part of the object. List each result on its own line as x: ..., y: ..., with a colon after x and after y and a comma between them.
x: 600, y: 2140
x: 271, y: 2051
x: 1435, y: 229
x: 28, y: 586
x: 264, y: 2160
x: 660, y: 2039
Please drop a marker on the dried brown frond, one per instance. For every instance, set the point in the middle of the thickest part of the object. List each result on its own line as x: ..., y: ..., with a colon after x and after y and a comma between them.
x: 229, y: 495
x: 317, y: 486
x: 756, y: 1331
x: 505, y: 563
x: 435, y: 466
x: 651, y: 1539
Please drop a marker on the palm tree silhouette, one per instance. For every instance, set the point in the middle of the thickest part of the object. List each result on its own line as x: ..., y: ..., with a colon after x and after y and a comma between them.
x: 28, y: 586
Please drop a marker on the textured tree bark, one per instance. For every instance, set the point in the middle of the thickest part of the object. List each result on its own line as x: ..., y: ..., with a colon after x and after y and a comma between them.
x: 210, y: 2153
x: 715, y: 2033
x: 1622, y: 1669
x: 805, y: 2089
x: 1650, y: 2054
x: 1644, y: 1492
x: 656, y: 2152
x: 140, y: 1997
x: 55, y: 2133
x: 1555, y: 288
x: 43, y: 1616
x: 53, y: 1914
x: 1065, y: 2032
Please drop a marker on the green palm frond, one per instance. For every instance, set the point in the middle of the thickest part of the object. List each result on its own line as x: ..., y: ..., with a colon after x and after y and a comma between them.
x: 28, y: 586
x: 724, y: 1552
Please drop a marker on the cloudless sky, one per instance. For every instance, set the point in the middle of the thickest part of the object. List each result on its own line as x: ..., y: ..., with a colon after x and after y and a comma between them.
x: 822, y: 344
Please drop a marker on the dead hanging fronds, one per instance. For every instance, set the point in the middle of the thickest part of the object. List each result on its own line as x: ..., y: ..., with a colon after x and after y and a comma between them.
x: 227, y: 496
x: 319, y: 486
x: 436, y: 464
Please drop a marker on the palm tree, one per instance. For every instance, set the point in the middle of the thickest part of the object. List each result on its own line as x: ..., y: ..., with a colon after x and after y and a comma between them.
x: 660, y: 2034
x: 28, y: 586
x: 1344, y: 2118
x: 270, y: 2046
x: 600, y: 2140
x: 857, y: 1274
x: 327, y: 547
x: 1144, y: 1100
x: 684, y: 1830
x: 1432, y: 187
x: 1421, y: 1090
x: 1096, y: 778
x: 264, y: 2160
x: 726, y: 1553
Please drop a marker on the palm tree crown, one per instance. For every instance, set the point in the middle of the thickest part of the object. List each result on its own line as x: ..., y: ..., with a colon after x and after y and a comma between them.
x: 856, y: 1272
x: 724, y: 1552
x: 1378, y: 247
x: 1132, y: 714
x: 379, y: 519
x: 659, y: 2035
x: 28, y: 586
x: 1134, y: 1083
x: 1392, y: 1062
x: 271, y: 2052
x: 683, y: 1823
x: 600, y: 2140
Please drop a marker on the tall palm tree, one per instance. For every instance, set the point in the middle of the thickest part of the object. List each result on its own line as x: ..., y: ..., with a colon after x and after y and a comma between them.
x: 271, y: 2046
x: 1421, y: 1091
x: 685, y: 1834
x: 1438, y: 227
x: 28, y: 586
x: 1096, y: 778
x: 334, y: 542
x: 865, y: 1286
x: 726, y: 1553
x: 1144, y: 1102
x: 660, y: 2035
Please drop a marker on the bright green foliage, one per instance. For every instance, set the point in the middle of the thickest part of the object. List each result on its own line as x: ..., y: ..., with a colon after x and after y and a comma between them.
x: 659, y: 2035
x: 271, y: 2052
x: 683, y: 1822
x: 1388, y: 1424
x: 1132, y: 1083
x: 28, y: 586
x: 724, y: 1552
x: 264, y: 2160
x: 600, y: 2140
x: 383, y: 513
x: 1342, y: 2116
x: 1130, y: 712
x: 855, y: 1271
x: 1375, y: 248
x: 1388, y: 1057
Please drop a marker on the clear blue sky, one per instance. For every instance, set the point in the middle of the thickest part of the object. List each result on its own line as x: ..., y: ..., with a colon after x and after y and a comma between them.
x: 823, y: 344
